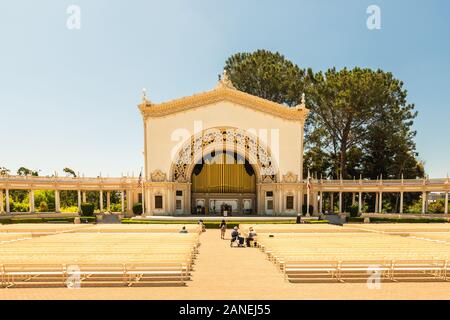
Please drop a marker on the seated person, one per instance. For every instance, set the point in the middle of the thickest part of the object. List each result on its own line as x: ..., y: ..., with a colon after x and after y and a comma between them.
x: 183, y: 230
x: 251, y: 236
x: 235, y: 235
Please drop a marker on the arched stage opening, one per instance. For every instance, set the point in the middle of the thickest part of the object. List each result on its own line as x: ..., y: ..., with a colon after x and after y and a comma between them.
x: 223, y: 181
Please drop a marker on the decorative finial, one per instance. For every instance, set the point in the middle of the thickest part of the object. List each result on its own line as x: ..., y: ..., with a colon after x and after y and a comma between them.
x: 302, y: 104
x: 224, y: 81
x: 144, y: 95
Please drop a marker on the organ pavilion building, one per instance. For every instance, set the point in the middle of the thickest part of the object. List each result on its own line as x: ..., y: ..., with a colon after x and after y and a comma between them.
x: 223, y: 150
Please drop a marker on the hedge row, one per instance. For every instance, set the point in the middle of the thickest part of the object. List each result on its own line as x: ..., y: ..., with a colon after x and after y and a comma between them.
x: 47, y: 220
x: 398, y: 220
x: 208, y: 224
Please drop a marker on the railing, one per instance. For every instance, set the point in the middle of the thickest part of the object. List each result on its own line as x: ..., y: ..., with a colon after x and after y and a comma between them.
x: 38, y: 179
x: 6, y: 179
x: 393, y: 182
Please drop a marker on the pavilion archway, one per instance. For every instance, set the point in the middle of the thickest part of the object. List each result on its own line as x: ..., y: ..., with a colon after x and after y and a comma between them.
x: 217, y: 140
x: 233, y: 184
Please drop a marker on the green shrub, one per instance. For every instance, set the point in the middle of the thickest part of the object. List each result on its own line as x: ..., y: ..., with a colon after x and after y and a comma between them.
x: 17, y: 220
x: 87, y: 209
x: 19, y: 207
x: 116, y: 207
x: 398, y: 220
x: 437, y: 206
x: 43, y: 207
x: 354, y: 210
x: 208, y: 223
x: 71, y: 209
x: 137, y: 208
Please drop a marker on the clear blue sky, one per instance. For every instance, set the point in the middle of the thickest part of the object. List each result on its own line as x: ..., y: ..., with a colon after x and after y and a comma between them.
x: 68, y: 97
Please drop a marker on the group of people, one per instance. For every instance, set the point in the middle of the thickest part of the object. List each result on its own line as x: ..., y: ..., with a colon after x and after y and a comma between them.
x: 236, y: 235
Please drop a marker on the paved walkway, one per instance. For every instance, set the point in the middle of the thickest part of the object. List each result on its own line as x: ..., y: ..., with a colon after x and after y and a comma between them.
x: 222, y: 272
x: 233, y: 272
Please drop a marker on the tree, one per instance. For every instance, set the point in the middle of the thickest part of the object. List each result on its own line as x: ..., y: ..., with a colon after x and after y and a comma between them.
x: 4, y: 171
x: 360, y: 121
x: 69, y: 172
x: 22, y: 171
x: 267, y: 75
x: 349, y: 103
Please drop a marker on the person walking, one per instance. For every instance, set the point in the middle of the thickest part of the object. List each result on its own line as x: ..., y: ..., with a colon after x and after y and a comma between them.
x: 223, y: 229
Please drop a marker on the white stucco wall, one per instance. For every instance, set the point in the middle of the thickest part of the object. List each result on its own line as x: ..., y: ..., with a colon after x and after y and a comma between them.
x: 166, y: 134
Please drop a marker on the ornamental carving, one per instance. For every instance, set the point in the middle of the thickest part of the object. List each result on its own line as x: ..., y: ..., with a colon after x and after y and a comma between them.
x: 158, y: 176
x: 225, y: 138
x: 290, y: 177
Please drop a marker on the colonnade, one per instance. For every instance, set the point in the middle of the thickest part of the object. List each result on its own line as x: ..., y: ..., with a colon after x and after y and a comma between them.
x: 378, y: 201
x: 5, y: 205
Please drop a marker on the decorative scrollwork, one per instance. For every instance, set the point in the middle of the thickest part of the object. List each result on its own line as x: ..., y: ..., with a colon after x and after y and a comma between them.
x: 158, y: 176
x: 231, y: 139
x: 290, y: 177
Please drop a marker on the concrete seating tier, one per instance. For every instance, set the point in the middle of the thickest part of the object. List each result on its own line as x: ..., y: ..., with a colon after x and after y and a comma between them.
x: 402, y: 227
x: 99, y: 259
x: 38, y: 229
x: 352, y: 255
x: 136, y: 228
x: 295, y: 228
x: 8, y: 237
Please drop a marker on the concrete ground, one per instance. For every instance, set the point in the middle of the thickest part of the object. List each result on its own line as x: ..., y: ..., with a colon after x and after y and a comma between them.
x: 222, y: 272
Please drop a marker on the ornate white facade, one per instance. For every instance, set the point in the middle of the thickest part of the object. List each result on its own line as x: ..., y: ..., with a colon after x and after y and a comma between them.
x: 181, y: 132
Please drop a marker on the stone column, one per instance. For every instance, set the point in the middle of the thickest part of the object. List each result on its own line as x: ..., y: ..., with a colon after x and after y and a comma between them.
x: 79, y: 201
x: 340, y: 201
x: 446, y: 203
x: 424, y: 202
x: 108, y: 201
x: 315, y: 202
x: 130, y: 201
x: 166, y: 201
x: 8, y: 209
x: 189, y: 199
x: 321, y: 203
x: 84, y: 196
x: 281, y: 199
x: 401, y: 202
x: 353, y: 198
x: 148, y: 201
x: 381, y: 202
x: 1, y: 202
x: 31, y: 201
x: 360, y: 202
x: 308, y: 201
x: 122, y: 201
x: 57, y: 202
x: 377, y: 202
x: 101, y: 200
x: 332, y: 202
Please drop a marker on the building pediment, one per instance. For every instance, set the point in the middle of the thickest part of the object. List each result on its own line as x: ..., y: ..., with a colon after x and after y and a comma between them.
x: 223, y: 92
